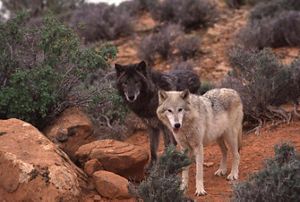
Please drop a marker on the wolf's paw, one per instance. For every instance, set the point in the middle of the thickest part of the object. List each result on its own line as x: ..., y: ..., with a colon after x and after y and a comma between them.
x: 200, y: 192
x: 232, y: 176
x: 221, y: 172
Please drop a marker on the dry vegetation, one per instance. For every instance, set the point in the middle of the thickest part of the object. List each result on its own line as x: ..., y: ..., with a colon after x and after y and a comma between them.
x: 45, y: 67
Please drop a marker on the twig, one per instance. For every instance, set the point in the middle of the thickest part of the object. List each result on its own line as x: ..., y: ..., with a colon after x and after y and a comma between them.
x: 107, y: 121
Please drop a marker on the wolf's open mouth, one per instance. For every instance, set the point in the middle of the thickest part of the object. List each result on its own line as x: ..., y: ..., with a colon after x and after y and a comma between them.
x: 175, y: 130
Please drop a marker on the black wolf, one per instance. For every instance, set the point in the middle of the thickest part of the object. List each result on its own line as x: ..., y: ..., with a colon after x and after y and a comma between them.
x: 139, y: 85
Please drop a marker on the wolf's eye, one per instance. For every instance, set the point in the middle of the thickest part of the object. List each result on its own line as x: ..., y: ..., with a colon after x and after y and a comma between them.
x: 180, y: 110
x: 169, y: 110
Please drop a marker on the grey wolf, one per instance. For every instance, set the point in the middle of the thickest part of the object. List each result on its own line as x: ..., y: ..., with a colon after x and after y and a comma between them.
x: 138, y: 85
x: 199, y: 120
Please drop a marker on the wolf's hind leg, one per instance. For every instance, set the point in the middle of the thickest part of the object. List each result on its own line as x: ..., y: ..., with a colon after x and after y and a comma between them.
x: 223, y: 163
x: 232, y: 140
x: 154, y: 141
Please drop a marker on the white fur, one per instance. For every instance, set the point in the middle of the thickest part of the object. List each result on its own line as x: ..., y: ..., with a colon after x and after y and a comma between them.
x: 215, y: 116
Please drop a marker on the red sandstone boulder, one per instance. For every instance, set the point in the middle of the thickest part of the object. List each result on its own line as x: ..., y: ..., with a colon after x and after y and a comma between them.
x: 32, y: 168
x: 71, y: 130
x: 111, y: 185
x: 121, y: 158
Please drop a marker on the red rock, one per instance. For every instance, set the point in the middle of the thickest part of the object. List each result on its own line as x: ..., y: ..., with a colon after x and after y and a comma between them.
x: 92, y: 166
x: 32, y: 168
x: 111, y: 185
x: 71, y: 130
x: 121, y: 158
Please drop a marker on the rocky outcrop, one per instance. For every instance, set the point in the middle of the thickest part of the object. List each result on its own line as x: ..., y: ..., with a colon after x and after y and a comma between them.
x: 71, y: 130
x: 111, y: 185
x: 32, y: 168
x: 118, y: 157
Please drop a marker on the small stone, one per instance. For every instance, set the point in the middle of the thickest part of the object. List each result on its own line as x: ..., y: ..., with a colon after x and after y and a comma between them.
x: 92, y: 166
x: 111, y: 185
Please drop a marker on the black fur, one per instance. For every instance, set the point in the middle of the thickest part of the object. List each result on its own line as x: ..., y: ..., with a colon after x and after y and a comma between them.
x: 138, y: 77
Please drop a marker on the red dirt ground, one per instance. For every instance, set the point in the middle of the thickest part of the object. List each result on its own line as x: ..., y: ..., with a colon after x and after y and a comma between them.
x: 256, y: 149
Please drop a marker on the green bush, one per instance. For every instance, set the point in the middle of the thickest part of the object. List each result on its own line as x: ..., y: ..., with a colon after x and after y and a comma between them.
x: 163, y: 183
x: 278, y: 181
x: 42, y: 68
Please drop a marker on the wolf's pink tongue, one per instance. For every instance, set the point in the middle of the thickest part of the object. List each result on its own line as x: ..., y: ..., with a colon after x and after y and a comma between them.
x: 175, y: 130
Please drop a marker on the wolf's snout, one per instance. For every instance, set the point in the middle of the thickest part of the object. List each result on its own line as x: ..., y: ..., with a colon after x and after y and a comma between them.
x: 131, y: 98
x: 177, y: 125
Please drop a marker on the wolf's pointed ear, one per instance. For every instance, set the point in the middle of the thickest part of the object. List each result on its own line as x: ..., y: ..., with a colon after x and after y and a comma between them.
x: 119, y: 69
x: 142, y: 67
x: 162, y: 96
x: 185, y: 94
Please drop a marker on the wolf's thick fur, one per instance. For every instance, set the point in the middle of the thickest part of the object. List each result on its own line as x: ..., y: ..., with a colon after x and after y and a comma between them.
x: 138, y: 85
x: 199, y: 120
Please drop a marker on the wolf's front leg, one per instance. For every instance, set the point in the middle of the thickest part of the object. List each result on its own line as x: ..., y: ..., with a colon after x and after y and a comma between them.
x: 199, y: 170
x: 185, y: 179
x: 154, y: 141
x: 185, y: 173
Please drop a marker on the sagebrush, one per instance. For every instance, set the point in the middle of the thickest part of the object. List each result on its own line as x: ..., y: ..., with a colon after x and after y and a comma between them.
x: 279, y: 31
x: 188, y: 13
x: 278, y: 181
x: 163, y: 183
x: 101, y: 22
x: 264, y: 83
x: 273, y: 23
x: 159, y: 44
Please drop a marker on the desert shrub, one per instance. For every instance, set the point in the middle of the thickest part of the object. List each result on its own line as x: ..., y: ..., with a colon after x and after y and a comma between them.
x: 163, y: 183
x: 295, y: 81
x: 107, y: 109
x: 238, y: 3
x: 133, y: 8
x: 182, y: 65
x: 148, y: 5
x: 205, y: 86
x: 159, y: 44
x: 42, y: 69
x: 40, y: 7
x: 188, y: 46
x: 278, y: 181
x: 262, y: 82
x: 272, y: 8
x: 189, y: 13
x: 282, y: 30
x: 273, y: 23
x: 101, y: 21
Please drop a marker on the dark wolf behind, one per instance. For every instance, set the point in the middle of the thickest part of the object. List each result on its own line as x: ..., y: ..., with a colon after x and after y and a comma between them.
x: 138, y: 85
